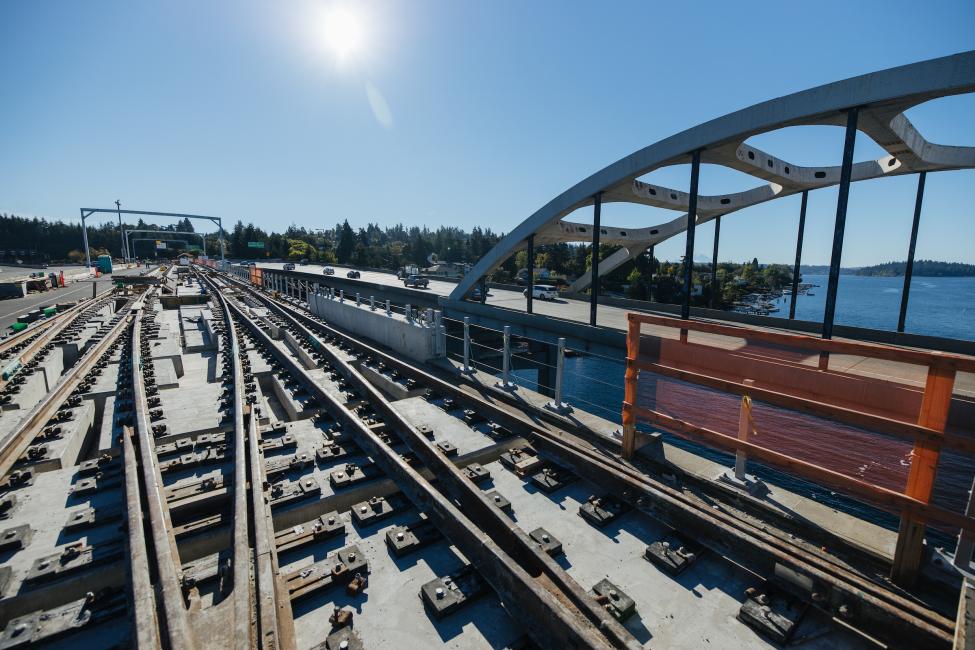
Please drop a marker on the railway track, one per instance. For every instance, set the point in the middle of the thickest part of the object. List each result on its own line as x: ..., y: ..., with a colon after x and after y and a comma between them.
x: 271, y: 482
x: 825, y: 580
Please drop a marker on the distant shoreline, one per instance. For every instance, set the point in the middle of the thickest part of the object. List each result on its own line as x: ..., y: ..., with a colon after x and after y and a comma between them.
x: 922, y: 269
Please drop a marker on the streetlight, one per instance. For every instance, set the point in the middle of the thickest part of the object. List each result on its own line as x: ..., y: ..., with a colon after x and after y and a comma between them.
x: 125, y: 251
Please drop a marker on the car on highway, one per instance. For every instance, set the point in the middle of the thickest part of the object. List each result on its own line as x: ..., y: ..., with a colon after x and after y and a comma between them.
x: 543, y: 292
x: 304, y: 261
x: 289, y: 266
x: 328, y: 270
x: 417, y: 281
x: 352, y: 274
x: 475, y: 294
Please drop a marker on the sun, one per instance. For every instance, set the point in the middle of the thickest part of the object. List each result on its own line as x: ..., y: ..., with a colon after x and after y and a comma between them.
x: 343, y: 32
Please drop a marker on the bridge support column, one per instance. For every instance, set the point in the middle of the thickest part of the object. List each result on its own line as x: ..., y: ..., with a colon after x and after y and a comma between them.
x: 714, y: 262
x: 652, y: 269
x: 531, y: 271
x: 594, y: 286
x: 795, y: 268
x: 909, y: 271
x: 840, y: 226
x: 685, y: 307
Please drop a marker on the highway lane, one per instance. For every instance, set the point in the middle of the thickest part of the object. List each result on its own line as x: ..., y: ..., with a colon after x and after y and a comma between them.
x: 11, y: 309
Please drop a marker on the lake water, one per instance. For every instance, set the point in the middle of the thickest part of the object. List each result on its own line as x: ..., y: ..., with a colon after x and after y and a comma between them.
x: 938, y: 307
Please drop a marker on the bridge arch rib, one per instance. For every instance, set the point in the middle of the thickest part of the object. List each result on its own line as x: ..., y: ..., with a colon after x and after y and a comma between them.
x: 882, y: 98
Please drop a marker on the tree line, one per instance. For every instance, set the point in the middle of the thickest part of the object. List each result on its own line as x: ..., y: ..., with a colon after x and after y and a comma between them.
x: 392, y: 247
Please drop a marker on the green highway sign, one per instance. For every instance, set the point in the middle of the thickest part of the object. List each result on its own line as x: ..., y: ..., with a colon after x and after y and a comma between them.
x: 255, y: 244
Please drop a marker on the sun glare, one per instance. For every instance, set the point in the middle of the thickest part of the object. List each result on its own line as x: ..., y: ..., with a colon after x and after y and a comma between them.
x: 344, y: 34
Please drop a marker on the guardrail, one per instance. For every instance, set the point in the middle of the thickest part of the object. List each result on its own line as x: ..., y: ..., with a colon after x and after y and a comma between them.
x: 776, y: 368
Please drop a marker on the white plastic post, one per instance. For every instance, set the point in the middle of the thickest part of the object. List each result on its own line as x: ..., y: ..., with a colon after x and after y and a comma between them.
x: 467, y: 344
x: 559, y: 366
x: 966, y: 541
x: 506, y: 361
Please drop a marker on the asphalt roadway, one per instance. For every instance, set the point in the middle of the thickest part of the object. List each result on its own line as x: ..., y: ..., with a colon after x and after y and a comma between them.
x: 12, y: 308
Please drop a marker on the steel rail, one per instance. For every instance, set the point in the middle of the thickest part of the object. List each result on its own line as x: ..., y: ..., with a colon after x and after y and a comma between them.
x: 546, y: 617
x: 275, y: 621
x: 177, y: 626
x: 47, y: 331
x: 16, y: 441
x: 894, y: 615
x: 511, y: 536
x: 144, y: 620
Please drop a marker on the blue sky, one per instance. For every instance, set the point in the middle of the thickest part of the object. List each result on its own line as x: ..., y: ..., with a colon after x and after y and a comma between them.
x: 462, y: 113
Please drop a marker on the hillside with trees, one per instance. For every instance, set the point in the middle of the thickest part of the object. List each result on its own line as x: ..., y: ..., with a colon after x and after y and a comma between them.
x: 922, y: 268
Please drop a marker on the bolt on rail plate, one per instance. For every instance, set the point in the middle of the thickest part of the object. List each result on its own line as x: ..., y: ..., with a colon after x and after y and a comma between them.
x: 443, y: 596
x: 403, y: 540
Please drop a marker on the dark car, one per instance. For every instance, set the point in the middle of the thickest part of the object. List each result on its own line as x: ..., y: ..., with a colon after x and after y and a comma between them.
x: 290, y: 266
x: 303, y: 261
x: 417, y: 281
x: 329, y: 271
x: 352, y: 274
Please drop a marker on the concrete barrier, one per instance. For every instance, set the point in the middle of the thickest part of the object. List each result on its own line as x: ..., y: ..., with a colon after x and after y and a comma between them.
x: 421, y: 338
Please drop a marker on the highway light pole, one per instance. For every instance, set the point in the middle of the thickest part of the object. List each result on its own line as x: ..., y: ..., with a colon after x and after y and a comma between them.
x: 125, y: 250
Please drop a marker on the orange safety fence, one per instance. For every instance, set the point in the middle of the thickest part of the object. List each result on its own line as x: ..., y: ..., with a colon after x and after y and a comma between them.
x: 869, y: 421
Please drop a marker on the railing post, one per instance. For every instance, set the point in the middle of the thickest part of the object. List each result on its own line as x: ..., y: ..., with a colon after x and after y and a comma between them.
x: 966, y: 541
x: 372, y: 303
x: 924, y: 465
x: 629, y: 386
x: 408, y: 310
x: 557, y: 404
x: 467, y: 345
x: 389, y: 312
x: 341, y: 295
x: 358, y: 299
x: 505, y: 382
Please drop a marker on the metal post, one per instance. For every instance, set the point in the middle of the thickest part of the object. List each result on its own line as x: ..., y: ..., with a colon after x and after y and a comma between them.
x: 909, y: 270
x: 531, y: 271
x: 651, y: 272
x: 685, y: 307
x: 389, y: 312
x: 714, y: 261
x: 341, y: 295
x: 557, y: 404
x: 966, y: 541
x: 467, y: 344
x: 220, y: 227
x: 84, y: 236
x: 505, y: 382
x: 795, y: 269
x: 409, y: 312
x: 358, y: 299
x: 125, y: 249
x: 372, y: 303
x: 596, y: 228
x: 840, y: 226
